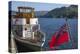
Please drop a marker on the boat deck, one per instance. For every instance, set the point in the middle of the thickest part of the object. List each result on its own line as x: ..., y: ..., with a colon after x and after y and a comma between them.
x: 28, y: 41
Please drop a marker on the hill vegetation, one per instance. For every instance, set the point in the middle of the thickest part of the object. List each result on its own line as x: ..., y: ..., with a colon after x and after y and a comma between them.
x: 69, y: 12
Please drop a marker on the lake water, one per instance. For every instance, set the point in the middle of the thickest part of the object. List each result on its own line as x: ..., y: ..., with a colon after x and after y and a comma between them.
x: 51, y: 25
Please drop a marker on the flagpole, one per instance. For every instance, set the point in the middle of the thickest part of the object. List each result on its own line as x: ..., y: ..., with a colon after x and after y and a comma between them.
x: 68, y: 29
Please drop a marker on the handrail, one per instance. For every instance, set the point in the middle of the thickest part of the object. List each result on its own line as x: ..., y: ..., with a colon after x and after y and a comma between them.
x: 43, y: 39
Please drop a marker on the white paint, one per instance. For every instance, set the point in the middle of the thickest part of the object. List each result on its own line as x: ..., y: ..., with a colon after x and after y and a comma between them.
x: 24, y: 34
x: 18, y: 21
x: 34, y: 21
x: 27, y: 33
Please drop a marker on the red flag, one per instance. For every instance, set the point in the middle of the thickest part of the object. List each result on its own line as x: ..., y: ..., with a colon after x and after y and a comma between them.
x: 59, y: 37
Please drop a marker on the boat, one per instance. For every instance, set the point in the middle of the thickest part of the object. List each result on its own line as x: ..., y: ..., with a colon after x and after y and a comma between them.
x: 26, y: 29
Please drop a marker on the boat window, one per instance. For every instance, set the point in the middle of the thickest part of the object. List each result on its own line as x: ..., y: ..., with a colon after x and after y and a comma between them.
x: 28, y: 10
x: 25, y: 10
x: 22, y: 10
x: 35, y: 27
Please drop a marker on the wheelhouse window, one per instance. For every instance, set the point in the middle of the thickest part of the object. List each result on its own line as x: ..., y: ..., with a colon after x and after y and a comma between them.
x: 28, y: 10
x: 25, y: 10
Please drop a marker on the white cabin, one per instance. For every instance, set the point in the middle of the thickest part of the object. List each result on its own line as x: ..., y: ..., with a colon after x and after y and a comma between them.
x: 27, y: 29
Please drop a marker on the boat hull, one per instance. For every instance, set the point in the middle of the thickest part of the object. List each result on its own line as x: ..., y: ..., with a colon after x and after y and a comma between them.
x: 26, y: 47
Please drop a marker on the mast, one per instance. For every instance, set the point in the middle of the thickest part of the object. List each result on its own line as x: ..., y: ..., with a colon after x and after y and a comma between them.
x: 68, y: 30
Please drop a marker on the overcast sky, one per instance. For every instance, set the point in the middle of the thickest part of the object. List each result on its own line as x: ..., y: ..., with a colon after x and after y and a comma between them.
x: 37, y: 6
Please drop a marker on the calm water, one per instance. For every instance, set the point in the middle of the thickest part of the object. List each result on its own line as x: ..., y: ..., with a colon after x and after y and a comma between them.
x: 51, y: 25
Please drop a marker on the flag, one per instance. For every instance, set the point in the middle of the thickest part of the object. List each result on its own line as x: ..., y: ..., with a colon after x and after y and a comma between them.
x: 60, y: 37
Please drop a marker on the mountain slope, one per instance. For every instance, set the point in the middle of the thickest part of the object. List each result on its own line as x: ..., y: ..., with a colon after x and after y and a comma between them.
x: 70, y: 12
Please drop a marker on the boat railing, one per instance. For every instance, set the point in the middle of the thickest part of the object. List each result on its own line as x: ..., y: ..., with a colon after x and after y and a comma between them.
x: 42, y: 34
x: 43, y: 38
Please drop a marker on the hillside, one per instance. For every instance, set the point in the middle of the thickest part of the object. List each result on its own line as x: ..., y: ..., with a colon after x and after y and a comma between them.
x: 69, y: 12
x: 40, y: 13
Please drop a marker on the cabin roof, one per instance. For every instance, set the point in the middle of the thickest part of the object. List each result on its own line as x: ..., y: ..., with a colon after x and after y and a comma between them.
x: 25, y: 8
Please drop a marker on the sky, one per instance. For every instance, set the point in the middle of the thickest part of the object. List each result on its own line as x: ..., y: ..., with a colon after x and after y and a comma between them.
x: 37, y: 6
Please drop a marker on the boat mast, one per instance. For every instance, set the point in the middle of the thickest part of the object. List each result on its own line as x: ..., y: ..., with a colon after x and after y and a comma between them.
x: 68, y: 29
